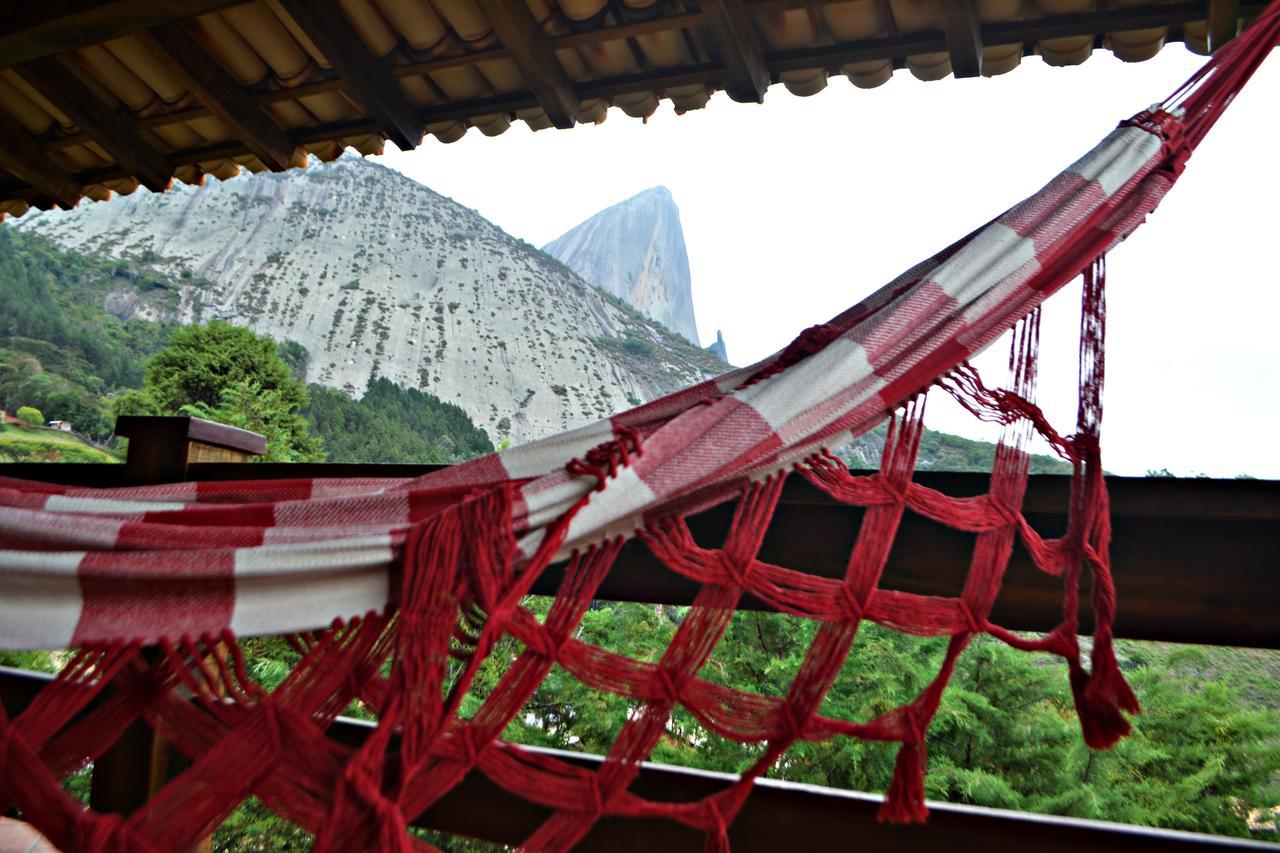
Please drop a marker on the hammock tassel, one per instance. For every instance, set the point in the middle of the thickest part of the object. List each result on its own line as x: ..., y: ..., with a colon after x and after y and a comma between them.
x: 904, y: 801
x: 1100, y: 697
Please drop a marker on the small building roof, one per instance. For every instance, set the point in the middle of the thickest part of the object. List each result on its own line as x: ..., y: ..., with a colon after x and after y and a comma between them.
x: 101, y: 97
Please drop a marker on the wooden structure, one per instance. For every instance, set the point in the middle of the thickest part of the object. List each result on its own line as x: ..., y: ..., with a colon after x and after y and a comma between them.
x: 103, y: 96
x: 1192, y: 563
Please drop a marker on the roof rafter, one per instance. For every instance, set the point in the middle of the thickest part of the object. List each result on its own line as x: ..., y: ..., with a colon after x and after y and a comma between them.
x: 531, y: 52
x: 33, y: 30
x: 1224, y: 20
x: 740, y: 49
x: 964, y: 36
x: 189, y: 61
x: 328, y: 28
x: 111, y: 130
x: 22, y: 157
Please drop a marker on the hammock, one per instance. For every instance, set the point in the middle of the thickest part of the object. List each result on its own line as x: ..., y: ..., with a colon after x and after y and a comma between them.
x: 153, y: 585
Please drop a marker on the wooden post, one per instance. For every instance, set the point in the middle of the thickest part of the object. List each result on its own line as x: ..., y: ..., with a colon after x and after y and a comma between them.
x: 160, y: 448
x: 140, y: 762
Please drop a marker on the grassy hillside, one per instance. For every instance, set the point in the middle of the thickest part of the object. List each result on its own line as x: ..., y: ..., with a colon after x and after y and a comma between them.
x: 41, y: 444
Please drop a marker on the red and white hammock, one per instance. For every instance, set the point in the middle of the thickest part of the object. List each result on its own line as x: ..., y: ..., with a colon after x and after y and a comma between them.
x: 364, y: 571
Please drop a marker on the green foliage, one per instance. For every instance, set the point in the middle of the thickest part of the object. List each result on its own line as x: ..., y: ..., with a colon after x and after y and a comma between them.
x: 393, y: 424
x: 229, y: 374
x: 273, y: 413
x: 30, y: 416
x: 296, y: 356
x: 18, y: 444
x: 941, y: 451
x: 1005, y: 735
x: 630, y: 344
x: 60, y: 351
x: 200, y: 362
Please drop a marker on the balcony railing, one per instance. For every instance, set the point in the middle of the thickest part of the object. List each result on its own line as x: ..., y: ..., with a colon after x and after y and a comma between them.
x: 1193, y: 562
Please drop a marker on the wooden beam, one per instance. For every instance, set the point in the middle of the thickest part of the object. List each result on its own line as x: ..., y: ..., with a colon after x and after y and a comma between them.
x: 777, y: 814
x: 964, y: 37
x: 531, y: 52
x: 22, y: 156
x: 1224, y: 21
x: 1165, y: 531
x: 33, y: 30
x: 212, y: 86
x: 1113, y: 20
x: 111, y: 130
x: 325, y: 24
x: 740, y: 49
x: 781, y: 815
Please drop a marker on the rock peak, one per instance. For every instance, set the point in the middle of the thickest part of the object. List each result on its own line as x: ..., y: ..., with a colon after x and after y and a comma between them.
x: 635, y: 250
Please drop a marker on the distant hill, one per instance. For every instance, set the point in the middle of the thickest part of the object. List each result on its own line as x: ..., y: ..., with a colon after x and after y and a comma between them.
x: 65, y: 350
x: 375, y: 276
x: 635, y: 250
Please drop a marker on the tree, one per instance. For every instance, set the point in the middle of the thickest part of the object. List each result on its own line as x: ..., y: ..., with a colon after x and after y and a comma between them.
x: 200, y: 362
x: 271, y: 413
x: 30, y: 416
x: 229, y: 374
x: 295, y: 355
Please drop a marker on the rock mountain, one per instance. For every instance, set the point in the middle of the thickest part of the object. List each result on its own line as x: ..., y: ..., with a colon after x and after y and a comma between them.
x: 635, y: 250
x: 376, y: 275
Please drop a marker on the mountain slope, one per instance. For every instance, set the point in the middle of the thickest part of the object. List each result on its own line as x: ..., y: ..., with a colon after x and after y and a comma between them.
x: 376, y: 275
x: 635, y: 250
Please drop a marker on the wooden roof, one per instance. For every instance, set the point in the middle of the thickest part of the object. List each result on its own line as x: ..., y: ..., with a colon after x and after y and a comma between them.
x: 100, y: 97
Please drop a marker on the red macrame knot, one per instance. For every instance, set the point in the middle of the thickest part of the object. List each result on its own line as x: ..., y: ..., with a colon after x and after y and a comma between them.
x: 718, y: 831
x: 1007, y: 515
x: 596, y: 800
x: 541, y: 643
x: 271, y: 718
x: 665, y: 686
x: 467, y: 738
x: 851, y: 608
x: 976, y: 625
x: 793, y: 728
x: 738, y: 568
x: 892, y: 493
x: 605, y: 460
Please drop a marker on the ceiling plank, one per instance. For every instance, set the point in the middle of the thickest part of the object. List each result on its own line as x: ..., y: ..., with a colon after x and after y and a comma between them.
x: 33, y: 30
x: 964, y: 37
x: 530, y: 51
x: 326, y: 25
x: 1224, y: 22
x: 111, y: 130
x: 212, y: 86
x: 22, y: 156
x: 740, y: 49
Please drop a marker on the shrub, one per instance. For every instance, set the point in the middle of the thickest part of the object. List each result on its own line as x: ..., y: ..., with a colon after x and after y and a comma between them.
x: 30, y: 416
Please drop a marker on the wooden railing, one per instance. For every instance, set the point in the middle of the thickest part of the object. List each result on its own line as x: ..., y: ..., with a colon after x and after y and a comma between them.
x: 1193, y: 562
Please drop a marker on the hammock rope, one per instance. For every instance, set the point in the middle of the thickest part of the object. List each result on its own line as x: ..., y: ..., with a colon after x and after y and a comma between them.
x: 395, y: 592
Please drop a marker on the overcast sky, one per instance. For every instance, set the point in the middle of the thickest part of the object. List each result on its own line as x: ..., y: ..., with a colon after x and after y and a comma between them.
x: 797, y: 208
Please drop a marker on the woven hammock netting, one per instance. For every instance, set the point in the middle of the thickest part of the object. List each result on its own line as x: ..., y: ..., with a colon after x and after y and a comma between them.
x: 395, y: 592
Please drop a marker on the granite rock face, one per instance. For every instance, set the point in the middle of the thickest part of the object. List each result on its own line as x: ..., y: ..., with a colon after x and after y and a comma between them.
x: 376, y: 275
x: 635, y: 250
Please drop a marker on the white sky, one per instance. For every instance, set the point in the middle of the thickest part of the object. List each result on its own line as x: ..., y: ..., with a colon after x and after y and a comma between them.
x: 796, y: 209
